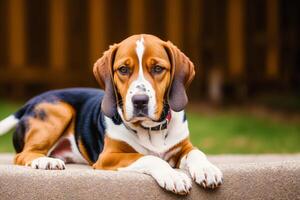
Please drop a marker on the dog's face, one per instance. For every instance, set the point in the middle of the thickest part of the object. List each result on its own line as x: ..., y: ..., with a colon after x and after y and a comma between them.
x: 141, y: 75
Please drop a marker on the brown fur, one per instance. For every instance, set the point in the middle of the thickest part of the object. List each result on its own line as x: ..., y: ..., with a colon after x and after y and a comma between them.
x: 103, y: 73
x: 183, y: 72
x: 154, y: 54
x: 124, y: 53
x: 42, y: 134
x: 83, y: 152
x: 185, y: 147
x: 116, y: 154
x: 178, y: 73
x: 183, y: 65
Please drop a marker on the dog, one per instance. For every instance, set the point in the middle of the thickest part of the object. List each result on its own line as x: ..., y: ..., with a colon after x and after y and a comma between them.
x: 137, y: 124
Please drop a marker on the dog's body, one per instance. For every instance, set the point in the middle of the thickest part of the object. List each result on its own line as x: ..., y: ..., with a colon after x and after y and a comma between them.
x: 83, y: 128
x: 138, y: 124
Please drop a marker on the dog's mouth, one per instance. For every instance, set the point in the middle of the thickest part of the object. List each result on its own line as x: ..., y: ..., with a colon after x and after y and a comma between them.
x: 137, y: 119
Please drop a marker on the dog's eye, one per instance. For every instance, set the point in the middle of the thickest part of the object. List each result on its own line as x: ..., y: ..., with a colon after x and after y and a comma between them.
x: 157, y: 69
x: 124, y: 70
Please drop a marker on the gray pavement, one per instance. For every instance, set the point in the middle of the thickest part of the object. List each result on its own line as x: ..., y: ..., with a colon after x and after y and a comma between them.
x: 245, y: 177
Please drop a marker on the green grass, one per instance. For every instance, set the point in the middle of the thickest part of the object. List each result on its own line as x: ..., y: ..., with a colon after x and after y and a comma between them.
x: 219, y: 133
x: 242, y: 133
x: 6, y: 140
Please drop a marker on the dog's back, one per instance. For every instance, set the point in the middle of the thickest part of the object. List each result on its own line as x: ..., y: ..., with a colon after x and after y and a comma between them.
x: 85, y: 101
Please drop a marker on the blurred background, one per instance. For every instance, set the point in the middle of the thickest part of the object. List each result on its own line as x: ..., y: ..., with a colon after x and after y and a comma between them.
x: 246, y: 94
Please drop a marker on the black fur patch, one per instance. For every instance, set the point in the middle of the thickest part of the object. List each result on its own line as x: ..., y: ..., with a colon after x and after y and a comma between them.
x: 89, y: 120
x: 19, y: 134
x: 164, y: 113
x: 117, y: 119
x: 40, y: 114
x: 184, y: 117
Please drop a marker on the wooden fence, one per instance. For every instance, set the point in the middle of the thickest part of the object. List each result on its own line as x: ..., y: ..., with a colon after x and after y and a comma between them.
x: 53, y: 43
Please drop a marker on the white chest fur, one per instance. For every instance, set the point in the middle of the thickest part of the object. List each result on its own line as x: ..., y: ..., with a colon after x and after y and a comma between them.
x: 151, y: 142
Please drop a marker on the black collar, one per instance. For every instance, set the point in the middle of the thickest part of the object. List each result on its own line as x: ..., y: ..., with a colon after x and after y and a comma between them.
x: 157, y: 128
x: 161, y: 126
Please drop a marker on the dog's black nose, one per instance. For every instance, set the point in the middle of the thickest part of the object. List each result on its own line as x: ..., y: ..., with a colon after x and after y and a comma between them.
x: 140, y: 101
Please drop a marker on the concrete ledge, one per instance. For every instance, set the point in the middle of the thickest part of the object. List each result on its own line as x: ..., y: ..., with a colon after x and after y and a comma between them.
x: 245, y: 177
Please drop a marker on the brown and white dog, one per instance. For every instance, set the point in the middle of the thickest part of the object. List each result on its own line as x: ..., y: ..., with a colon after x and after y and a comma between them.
x: 139, y: 118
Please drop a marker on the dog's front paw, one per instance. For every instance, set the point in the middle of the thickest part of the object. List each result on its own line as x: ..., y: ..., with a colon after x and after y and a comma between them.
x: 174, y: 181
x: 167, y: 177
x: 47, y: 163
x: 202, y: 171
x: 206, y: 174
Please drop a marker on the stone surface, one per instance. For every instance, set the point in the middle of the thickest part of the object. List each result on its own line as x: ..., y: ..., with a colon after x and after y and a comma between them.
x: 245, y: 177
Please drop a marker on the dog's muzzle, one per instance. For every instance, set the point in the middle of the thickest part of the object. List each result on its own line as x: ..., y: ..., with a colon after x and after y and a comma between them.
x: 140, y: 105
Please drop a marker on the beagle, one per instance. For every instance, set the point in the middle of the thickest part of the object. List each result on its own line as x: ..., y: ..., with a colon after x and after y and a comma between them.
x: 138, y: 124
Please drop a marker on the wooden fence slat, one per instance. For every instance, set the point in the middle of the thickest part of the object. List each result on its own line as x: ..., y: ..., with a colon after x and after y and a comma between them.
x: 136, y: 16
x: 195, y: 26
x: 97, y: 29
x: 272, y: 56
x: 58, y: 34
x: 195, y: 48
x: 174, y: 20
x: 17, y: 33
x: 236, y: 44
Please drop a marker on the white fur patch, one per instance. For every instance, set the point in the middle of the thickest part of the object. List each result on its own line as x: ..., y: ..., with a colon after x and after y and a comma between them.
x: 169, y: 154
x: 7, y: 124
x: 140, y: 48
x: 120, y: 132
x: 150, y: 142
x: 155, y: 145
x: 73, y: 156
x: 140, y: 86
x: 201, y: 170
x: 47, y: 163
x: 167, y: 177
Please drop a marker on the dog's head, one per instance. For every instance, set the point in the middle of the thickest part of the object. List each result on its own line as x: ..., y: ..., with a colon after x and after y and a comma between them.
x: 141, y: 76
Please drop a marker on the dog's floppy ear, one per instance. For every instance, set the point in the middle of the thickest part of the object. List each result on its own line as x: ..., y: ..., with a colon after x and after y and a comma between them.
x: 182, y: 73
x: 103, y: 74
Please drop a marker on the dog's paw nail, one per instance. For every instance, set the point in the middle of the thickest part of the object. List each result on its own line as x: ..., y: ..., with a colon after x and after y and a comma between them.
x: 174, y: 181
x: 47, y: 163
x: 205, y: 174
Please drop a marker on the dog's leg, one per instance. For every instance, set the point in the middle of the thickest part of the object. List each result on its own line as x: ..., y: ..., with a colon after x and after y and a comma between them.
x: 44, y: 128
x: 118, y: 155
x: 113, y: 161
x: 167, y: 177
x: 201, y: 170
x: 195, y: 162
